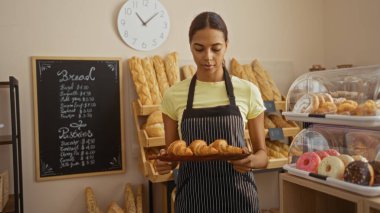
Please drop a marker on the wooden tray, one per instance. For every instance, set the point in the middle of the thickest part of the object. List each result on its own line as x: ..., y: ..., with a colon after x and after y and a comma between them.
x: 167, y: 157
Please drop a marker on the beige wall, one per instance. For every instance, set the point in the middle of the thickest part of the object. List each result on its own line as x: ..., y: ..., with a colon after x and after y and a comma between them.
x: 296, y: 31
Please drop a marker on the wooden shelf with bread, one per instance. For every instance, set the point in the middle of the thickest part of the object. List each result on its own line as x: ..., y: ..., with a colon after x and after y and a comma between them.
x: 275, y: 104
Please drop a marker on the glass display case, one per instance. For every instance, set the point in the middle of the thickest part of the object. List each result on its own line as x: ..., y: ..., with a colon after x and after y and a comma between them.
x: 349, y: 96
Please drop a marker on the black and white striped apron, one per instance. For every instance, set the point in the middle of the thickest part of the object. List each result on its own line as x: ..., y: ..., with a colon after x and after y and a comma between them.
x: 214, y: 186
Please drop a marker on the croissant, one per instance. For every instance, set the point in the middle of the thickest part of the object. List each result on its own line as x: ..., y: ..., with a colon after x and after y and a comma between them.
x: 223, y: 148
x: 179, y: 148
x: 200, y: 148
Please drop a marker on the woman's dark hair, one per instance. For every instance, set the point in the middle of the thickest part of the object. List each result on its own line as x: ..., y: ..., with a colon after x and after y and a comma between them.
x: 208, y: 20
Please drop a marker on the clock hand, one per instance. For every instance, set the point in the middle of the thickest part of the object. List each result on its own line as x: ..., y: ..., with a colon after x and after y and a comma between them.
x: 151, y: 18
x: 143, y: 23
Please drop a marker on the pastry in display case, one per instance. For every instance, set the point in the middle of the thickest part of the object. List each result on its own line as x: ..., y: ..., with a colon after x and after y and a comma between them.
x: 340, y: 156
x: 346, y: 96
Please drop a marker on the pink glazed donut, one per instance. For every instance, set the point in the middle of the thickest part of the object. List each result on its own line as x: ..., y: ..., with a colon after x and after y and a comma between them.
x: 322, y: 154
x: 332, y: 152
x: 308, y: 161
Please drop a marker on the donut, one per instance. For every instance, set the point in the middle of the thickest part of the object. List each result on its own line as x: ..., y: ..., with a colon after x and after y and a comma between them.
x: 328, y: 97
x: 331, y: 166
x: 321, y: 98
x: 346, y: 159
x: 359, y: 158
x: 332, y: 152
x: 322, y: 154
x: 359, y: 172
x: 376, y: 169
x: 307, y: 103
x: 308, y: 161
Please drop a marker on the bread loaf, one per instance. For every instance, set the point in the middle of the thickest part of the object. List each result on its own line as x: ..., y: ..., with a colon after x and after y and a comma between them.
x: 155, y: 130
x: 139, y: 199
x: 268, y: 122
x: 151, y: 79
x: 188, y: 71
x: 262, y: 79
x: 114, y: 208
x: 279, y: 121
x: 139, y: 80
x: 259, y: 68
x: 236, y: 69
x: 179, y: 148
x: 171, y: 68
x: 129, y: 197
x: 248, y: 74
x: 154, y: 117
x: 162, y: 80
x: 91, y: 203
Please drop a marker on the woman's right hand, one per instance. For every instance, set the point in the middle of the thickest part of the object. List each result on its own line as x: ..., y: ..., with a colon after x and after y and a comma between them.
x: 164, y: 167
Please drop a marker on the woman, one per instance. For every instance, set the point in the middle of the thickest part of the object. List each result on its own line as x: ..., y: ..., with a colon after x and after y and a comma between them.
x: 210, y: 106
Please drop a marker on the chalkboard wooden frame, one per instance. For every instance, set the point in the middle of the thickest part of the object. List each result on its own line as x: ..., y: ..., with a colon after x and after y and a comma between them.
x: 74, y: 85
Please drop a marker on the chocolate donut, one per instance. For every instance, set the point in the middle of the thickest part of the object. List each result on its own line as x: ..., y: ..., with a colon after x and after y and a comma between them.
x: 359, y: 172
x: 376, y: 169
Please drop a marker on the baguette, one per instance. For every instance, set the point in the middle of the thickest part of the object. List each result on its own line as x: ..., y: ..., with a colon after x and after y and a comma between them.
x: 188, y: 71
x: 162, y: 80
x: 139, y: 80
x: 171, y: 68
x: 139, y: 199
x: 129, y: 197
x: 91, y: 203
x: 275, y: 91
x: 114, y: 208
x: 265, y: 87
x: 151, y: 79
x: 248, y: 74
x: 236, y: 69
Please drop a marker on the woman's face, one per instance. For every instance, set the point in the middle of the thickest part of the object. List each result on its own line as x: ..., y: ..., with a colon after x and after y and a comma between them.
x: 208, y: 47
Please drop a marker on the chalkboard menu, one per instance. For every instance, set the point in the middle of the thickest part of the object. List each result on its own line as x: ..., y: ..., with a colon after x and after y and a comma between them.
x: 78, y: 117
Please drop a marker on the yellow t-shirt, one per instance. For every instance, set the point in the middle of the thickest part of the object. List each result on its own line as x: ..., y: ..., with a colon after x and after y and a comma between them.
x: 211, y: 94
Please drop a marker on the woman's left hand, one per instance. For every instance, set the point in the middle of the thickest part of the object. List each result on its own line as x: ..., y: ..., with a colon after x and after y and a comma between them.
x: 244, y: 165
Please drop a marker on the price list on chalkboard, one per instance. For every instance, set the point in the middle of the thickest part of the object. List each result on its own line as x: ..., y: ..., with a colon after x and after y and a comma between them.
x: 79, y: 117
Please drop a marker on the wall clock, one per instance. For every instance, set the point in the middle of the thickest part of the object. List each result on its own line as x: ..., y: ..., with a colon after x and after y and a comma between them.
x: 143, y: 24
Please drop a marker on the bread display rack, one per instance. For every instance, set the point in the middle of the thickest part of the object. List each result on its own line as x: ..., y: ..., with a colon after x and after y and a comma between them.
x: 15, y: 202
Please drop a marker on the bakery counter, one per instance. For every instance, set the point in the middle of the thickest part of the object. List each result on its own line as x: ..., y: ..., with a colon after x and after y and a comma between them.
x: 299, y: 195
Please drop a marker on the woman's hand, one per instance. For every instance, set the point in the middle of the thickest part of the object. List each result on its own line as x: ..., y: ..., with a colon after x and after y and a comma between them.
x: 163, y: 167
x: 244, y: 165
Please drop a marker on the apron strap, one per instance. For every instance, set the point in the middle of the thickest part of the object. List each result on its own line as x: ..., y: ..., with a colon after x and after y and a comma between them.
x: 229, y: 89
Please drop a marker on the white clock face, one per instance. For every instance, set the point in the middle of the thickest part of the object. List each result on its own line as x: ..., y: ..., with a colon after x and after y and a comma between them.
x: 143, y: 24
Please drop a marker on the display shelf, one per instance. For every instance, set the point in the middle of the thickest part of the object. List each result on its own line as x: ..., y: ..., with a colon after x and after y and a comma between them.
x: 299, y: 195
x: 372, y: 205
x: 15, y: 203
x: 5, y: 139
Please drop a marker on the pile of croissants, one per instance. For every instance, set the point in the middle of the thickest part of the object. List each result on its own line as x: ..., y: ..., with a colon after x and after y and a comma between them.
x: 200, y: 148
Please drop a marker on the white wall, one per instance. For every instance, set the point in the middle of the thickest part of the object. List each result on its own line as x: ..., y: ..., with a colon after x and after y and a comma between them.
x: 292, y: 30
x: 352, y: 32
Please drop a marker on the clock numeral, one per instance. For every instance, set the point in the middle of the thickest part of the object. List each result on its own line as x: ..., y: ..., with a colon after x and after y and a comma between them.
x: 126, y: 34
x: 134, y: 40
x: 135, y: 4
x: 162, y: 35
x: 165, y: 25
x: 154, y: 42
x: 162, y: 14
x: 122, y: 22
x: 155, y: 4
x: 143, y: 45
x: 146, y: 3
x: 128, y: 11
